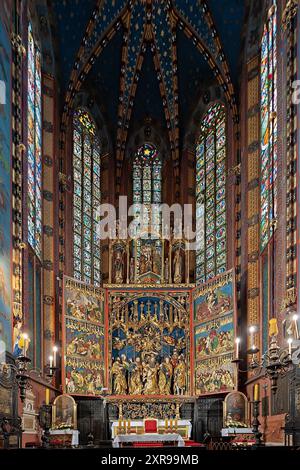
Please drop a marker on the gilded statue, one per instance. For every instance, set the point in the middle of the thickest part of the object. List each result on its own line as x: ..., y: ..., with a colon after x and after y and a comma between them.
x: 118, y: 373
x: 180, y: 377
x: 166, y: 273
x: 150, y: 377
x: 131, y: 271
x: 135, y: 377
x: 165, y: 377
x: 119, y: 267
x: 177, y: 266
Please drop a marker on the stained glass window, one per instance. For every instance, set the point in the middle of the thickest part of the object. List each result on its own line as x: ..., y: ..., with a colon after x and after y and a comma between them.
x: 34, y: 145
x: 147, y: 183
x: 86, y: 198
x: 211, y: 194
x: 268, y: 191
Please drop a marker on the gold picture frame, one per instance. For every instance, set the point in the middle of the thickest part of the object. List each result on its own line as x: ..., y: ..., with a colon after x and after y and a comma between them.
x: 236, y: 410
x: 64, y: 412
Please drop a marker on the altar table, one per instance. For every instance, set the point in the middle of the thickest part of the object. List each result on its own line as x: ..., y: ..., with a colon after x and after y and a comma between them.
x: 60, y: 434
x: 126, y: 438
x: 184, y: 427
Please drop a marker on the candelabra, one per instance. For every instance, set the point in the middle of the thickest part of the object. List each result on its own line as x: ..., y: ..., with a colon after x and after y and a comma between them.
x: 275, y: 362
x: 50, y: 371
x: 19, y: 371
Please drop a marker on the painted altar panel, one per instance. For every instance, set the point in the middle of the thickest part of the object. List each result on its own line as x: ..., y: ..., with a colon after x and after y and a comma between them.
x: 214, y: 332
x: 84, y: 338
x: 5, y: 177
x: 149, y: 342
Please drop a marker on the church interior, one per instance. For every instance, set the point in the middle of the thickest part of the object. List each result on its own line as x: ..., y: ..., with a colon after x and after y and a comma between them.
x: 149, y: 223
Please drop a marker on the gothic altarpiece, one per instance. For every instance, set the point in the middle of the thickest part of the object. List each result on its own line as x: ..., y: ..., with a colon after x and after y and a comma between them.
x: 147, y: 347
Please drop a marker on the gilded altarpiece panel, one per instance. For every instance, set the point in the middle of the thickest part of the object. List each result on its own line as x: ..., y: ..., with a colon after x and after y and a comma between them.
x: 83, y: 339
x: 149, y: 342
x: 214, y: 331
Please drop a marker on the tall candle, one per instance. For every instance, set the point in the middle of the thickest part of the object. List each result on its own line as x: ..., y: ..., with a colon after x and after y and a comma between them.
x: 237, y: 342
x: 290, y: 341
x: 295, y: 319
x: 54, y: 355
x: 51, y: 361
x: 25, y: 343
x: 47, y: 396
x: 251, y: 331
x: 256, y: 392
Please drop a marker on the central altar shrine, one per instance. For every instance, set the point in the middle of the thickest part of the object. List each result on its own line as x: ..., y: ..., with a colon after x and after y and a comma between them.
x: 155, y: 340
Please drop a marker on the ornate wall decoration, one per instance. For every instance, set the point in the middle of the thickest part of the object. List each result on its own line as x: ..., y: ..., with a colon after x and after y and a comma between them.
x: 289, y: 22
x: 253, y: 206
x: 149, y: 343
x: 49, y: 185
x: 83, y: 342
x: 214, y: 317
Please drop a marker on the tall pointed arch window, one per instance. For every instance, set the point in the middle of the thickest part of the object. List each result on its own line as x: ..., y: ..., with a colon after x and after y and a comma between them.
x: 34, y: 144
x: 268, y: 190
x: 211, y: 194
x: 147, y: 182
x: 86, y: 198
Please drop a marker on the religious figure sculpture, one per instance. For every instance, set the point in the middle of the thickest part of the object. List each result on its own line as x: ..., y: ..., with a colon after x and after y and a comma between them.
x: 166, y: 273
x: 150, y: 377
x: 156, y: 260
x: 177, y: 265
x: 165, y: 377
x: 119, y: 265
x: 135, y: 378
x: 180, y: 377
x: 131, y: 270
x: 118, y: 373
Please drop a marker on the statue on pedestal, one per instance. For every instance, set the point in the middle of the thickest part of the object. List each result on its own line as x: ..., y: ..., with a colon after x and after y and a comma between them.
x: 177, y: 266
x: 131, y: 271
x: 119, y: 266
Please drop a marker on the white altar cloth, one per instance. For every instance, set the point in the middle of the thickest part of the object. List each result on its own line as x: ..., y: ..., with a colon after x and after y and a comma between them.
x: 161, y: 423
x: 233, y: 431
x: 148, y: 438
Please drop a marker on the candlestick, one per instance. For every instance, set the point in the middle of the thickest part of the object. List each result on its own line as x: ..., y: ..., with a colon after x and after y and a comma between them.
x: 290, y: 341
x: 256, y: 392
x: 51, y: 361
x: 237, y: 342
x: 54, y: 355
x: 47, y: 396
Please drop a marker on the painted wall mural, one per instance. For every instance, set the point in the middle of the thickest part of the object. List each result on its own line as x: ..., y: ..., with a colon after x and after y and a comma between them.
x: 5, y: 179
x: 83, y: 342
x: 150, y: 344
x: 214, y: 319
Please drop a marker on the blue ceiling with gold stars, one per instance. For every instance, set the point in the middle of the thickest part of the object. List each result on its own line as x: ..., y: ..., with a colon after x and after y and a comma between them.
x: 147, y: 58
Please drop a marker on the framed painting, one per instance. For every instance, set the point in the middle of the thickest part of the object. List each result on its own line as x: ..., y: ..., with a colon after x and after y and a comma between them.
x: 236, y: 410
x: 64, y: 412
